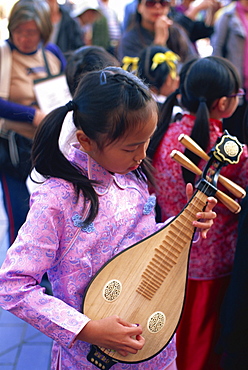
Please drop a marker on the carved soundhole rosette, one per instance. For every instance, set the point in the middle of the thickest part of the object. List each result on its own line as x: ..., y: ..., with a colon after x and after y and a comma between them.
x: 156, y: 322
x: 112, y: 290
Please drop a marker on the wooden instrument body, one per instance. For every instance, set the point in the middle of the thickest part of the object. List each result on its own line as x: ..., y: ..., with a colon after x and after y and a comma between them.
x: 145, y: 284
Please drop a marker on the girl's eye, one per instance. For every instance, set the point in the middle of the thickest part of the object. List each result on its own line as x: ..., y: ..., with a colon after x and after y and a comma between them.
x: 128, y: 150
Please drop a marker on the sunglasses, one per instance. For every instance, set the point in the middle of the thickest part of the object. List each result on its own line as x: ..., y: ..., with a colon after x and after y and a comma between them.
x: 239, y: 93
x: 152, y: 3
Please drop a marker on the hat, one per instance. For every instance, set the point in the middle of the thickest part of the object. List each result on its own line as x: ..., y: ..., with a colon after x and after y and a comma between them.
x: 82, y: 5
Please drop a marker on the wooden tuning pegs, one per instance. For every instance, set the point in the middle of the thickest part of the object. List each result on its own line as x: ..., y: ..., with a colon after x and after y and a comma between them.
x: 190, y: 144
x: 230, y: 203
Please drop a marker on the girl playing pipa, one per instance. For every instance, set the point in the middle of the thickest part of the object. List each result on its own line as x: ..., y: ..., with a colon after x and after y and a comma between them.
x: 91, y: 207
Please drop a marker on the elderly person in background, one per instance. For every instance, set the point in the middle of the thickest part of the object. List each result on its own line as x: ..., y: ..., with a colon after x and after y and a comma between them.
x: 26, y: 49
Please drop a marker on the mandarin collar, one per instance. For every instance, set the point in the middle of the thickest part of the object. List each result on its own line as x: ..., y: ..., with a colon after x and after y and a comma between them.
x: 96, y: 172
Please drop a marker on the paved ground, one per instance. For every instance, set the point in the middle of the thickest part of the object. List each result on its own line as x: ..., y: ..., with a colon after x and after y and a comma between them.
x: 21, y: 346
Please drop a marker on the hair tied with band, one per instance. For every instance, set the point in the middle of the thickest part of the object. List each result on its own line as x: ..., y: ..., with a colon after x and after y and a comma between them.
x: 130, y: 63
x: 103, y: 78
x: 168, y: 57
x: 202, y: 99
x: 71, y: 105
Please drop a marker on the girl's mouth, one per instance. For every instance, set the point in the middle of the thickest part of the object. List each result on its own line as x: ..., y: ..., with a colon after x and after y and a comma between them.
x: 134, y: 168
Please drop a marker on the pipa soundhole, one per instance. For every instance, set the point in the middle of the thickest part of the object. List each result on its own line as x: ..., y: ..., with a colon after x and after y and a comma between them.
x: 156, y: 322
x: 112, y: 290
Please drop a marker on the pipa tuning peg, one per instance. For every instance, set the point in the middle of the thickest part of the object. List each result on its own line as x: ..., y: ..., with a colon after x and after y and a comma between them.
x: 189, y: 165
x: 190, y: 144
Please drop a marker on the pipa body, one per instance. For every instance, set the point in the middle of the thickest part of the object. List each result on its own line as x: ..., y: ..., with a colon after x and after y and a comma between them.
x: 145, y: 283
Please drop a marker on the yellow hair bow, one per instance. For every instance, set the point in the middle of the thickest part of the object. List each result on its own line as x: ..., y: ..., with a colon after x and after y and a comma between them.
x: 168, y: 57
x: 130, y: 62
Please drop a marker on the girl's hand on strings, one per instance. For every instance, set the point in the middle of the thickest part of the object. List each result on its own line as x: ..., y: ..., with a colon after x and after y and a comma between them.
x: 113, y: 333
x: 206, y: 217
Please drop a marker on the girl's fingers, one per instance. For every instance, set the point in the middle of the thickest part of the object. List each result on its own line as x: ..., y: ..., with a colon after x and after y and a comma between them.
x: 211, y: 215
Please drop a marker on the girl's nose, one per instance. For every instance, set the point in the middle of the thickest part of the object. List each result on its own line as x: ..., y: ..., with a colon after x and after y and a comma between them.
x: 141, y: 154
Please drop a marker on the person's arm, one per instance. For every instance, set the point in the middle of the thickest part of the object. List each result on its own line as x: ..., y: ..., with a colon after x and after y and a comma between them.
x: 115, y: 333
x: 20, y: 113
x: 210, y: 6
x: 38, y: 248
x: 16, y: 112
x: 195, y: 29
x: 35, y: 251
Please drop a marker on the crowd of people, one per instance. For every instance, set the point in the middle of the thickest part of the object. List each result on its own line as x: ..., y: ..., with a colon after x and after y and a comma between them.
x: 95, y: 176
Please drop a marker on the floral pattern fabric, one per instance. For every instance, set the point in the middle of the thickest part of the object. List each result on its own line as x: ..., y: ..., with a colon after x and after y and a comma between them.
x: 53, y: 239
x: 212, y: 257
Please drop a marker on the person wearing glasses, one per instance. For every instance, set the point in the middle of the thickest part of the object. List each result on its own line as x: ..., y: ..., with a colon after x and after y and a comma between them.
x: 153, y: 26
x: 230, y: 40
x: 209, y: 91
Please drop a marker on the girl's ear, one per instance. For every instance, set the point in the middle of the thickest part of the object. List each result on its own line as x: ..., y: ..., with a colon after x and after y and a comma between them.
x: 85, y: 142
x: 222, y: 103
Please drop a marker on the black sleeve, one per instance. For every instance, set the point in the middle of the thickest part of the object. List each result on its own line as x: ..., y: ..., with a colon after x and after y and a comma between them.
x: 195, y: 29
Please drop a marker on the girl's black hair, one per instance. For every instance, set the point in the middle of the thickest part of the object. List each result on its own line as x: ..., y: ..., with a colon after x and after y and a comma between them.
x: 202, y: 81
x: 86, y: 59
x: 207, y: 80
x: 158, y: 76
x: 107, y: 105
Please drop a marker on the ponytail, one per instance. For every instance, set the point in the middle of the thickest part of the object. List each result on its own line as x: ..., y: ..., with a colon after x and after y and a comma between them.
x: 200, y: 134
x: 49, y: 161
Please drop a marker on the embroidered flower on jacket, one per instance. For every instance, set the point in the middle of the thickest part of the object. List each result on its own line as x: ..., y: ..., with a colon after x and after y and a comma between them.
x: 78, y: 222
x: 150, y: 204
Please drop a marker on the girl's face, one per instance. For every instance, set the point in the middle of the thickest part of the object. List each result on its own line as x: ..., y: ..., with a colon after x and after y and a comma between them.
x: 26, y: 37
x: 149, y: 14
x: 127, y: 153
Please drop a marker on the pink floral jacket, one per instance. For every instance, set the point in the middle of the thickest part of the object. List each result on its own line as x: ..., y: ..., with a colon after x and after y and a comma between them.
x: 53, y: 239
x: 212, y: 257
